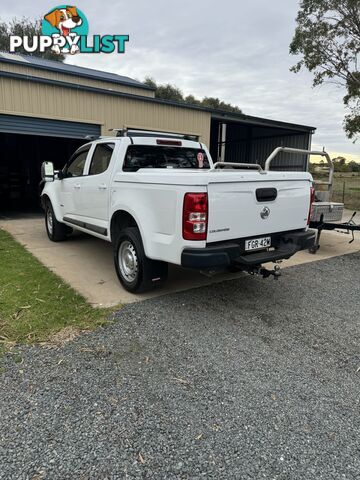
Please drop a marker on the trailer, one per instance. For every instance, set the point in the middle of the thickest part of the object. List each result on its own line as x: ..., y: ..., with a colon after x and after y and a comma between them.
x: 324, y: 214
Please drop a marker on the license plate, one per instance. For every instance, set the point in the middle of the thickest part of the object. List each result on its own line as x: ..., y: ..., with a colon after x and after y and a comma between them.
x: 257, y: 243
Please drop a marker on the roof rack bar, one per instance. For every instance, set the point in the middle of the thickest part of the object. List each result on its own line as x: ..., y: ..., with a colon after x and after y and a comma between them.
x: 127, y: 131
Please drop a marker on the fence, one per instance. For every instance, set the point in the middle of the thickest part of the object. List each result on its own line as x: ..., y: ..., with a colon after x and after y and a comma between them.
x: 347, y: 190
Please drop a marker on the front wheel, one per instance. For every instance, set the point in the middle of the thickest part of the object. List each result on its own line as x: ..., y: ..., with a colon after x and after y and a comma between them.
x: 136, y: 272
x: 56, y: 231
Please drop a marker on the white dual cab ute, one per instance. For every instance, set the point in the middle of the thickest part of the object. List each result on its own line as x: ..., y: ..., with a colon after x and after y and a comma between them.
x: 160, y: 199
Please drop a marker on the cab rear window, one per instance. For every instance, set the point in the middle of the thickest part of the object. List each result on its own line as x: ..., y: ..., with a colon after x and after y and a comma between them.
x: 151, y: 156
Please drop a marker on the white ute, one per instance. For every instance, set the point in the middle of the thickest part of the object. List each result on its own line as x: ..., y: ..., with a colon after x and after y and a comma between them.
x: 159, y: 199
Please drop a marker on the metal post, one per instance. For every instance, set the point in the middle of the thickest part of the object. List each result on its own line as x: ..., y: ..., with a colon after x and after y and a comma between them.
x: 223, y: 142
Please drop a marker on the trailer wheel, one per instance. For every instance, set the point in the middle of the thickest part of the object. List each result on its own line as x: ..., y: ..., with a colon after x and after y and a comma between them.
x: 314, y: 249
x: 136, y: 272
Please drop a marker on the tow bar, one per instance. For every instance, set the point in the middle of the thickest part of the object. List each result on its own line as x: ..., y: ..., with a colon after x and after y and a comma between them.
x: 265, y: 273
x: 347, y: 228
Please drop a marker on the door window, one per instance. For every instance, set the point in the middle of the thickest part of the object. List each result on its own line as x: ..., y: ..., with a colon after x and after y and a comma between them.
x: 77, y: 164
x: 101, y: 158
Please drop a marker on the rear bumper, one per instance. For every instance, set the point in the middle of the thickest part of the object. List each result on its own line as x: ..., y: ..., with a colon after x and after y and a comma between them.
x: 223, y: 255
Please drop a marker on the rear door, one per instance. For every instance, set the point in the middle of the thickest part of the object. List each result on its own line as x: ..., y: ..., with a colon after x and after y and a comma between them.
x: 256, y: 208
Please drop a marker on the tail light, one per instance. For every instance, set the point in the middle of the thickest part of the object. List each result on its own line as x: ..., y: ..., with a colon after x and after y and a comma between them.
x: 195, y: 216
x: 311, y: 208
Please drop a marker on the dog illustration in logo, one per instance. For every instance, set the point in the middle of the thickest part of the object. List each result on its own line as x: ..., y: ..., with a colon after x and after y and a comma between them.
x: 64, y: 19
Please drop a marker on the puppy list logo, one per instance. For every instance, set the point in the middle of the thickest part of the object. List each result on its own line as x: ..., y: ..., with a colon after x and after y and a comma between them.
x: 65, y: 30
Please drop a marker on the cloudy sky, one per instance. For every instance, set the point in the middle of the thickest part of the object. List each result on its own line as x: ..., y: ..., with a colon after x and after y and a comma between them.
x: 231, y: 49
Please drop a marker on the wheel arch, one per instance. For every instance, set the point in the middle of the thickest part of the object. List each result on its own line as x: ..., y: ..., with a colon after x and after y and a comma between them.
x: 45, y: 198
x: 121, y: 219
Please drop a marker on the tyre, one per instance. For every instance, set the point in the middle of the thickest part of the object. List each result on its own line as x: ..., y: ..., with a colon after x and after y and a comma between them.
x: 136, y: 272
x: 314, y: 249
x: 56, y: 231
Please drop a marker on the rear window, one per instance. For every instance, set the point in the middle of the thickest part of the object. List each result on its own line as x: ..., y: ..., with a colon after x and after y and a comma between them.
x: 149, y: 156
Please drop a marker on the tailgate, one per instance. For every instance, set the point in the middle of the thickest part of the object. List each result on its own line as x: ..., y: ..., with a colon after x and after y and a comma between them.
x: 241, y: 209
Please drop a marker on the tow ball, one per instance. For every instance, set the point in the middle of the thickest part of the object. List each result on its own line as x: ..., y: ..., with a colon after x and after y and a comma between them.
x: 265, y: 273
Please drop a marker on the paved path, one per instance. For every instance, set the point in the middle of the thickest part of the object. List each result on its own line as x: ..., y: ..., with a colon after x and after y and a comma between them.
x: 86, y: 263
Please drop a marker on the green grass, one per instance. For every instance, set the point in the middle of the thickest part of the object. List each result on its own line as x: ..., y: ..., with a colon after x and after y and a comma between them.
x: 34, y: 302
x: 351, y: 195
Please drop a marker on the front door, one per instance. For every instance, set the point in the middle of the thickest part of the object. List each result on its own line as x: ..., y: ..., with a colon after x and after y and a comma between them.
x: 71, y: 185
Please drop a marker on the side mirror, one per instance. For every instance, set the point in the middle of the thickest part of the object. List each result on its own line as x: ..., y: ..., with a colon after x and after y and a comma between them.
x: 47, y: 172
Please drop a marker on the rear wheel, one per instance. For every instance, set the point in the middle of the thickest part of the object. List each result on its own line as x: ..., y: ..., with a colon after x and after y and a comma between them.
x: 136, y: 272
x: 56, y: 231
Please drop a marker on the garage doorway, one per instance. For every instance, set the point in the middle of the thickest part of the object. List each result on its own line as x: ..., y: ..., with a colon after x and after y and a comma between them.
x: 25, y: 143
x: 20, y: 165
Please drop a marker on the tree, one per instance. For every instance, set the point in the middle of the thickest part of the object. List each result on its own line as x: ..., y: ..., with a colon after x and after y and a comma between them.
x: 166, y: 92
x: 327, y: 37
x: 171, y: 92
x: 340, y: 164
x: 24, y: 27
x: 192, y: 100
x: 354, y: 166
x: 218, y: 104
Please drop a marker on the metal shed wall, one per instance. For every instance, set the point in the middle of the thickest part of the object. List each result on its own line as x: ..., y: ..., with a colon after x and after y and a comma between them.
x: 32, y: 98
x: 248, y: 144
x: 262, y: 148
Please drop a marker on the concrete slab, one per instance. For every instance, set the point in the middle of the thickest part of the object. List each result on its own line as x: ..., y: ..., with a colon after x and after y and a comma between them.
x: 86, y: 263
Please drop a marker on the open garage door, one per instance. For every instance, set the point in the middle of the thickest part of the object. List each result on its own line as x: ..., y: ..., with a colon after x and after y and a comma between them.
x: 25, y: 143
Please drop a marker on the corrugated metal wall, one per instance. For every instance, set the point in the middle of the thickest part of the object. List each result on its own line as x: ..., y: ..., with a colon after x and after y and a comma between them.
x: 245, y: 144
x: 261, y: 149
x: 21, y: 97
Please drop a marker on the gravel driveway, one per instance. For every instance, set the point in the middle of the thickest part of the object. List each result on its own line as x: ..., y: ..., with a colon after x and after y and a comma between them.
x: 245, y: 379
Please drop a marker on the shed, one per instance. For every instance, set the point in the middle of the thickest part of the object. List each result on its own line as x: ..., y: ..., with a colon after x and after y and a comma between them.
x: 47, y: 109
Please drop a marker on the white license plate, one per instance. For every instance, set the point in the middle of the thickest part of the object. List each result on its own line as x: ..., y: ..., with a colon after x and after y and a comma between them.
x: 257, y: 243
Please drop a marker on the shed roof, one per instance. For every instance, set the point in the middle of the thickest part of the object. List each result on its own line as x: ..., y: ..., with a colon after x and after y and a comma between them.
x: 54, y: 66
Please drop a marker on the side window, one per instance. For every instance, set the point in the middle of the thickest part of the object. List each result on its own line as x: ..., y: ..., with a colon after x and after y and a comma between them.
x: 143, y: 156
x: 76, y: 165
x: 101, y: 158
x: 150, y: 156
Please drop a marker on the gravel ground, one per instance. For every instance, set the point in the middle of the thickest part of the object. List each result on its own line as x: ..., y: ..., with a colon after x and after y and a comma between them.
x: 245, y: 379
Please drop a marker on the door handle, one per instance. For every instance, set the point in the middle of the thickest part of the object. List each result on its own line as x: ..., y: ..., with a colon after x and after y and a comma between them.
x: 77, y: 185
x: 102, y: 186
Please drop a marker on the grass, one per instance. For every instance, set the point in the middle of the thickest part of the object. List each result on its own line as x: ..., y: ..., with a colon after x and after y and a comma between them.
x: 34, y: 302
x: 351, y: 195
